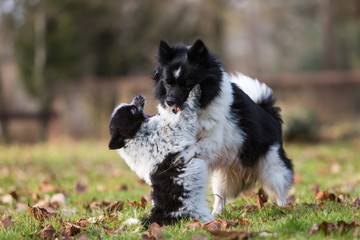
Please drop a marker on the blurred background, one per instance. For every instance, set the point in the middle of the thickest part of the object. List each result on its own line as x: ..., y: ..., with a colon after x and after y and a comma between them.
x: 64, y: 65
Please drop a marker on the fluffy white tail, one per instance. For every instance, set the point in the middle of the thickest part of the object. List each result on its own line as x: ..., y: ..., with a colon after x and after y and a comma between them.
x: 257, y: 91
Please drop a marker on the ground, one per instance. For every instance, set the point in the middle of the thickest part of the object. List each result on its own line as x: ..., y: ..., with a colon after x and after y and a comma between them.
x: 89, y: 192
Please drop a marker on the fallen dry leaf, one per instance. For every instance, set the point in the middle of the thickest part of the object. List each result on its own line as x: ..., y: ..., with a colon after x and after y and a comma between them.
x: 218, y: 234
x: 356, y: 203
x: 80, y: 188
x: 290, y: 199
x: 45, y: 188
x: 6, y: 221
x: 193, y: 225
x: 243, y: 221
x: 115, y: 207
x: 59, y: 199
x: 214, y: 225
x: 155, y: 231
x: 297, y: 178
x: 248, y: 207
x: 40, y: 214
x: 72, y: 229
x: 324, y: 195
x: 14, y: 195
x: 261, y: 198
x: 134, y: 204
x: 48, y: 232
x: 143, y: 202
x: 340, y: 226
x: 122, y: 187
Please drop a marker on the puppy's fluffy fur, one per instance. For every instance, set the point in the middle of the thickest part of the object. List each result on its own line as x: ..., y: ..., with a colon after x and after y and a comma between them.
x: 239, y: 133
x: 150, y: 145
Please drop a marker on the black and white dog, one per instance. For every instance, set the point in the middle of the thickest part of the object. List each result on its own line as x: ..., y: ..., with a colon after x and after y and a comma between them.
x: 239, y: 133
x: 150, y: 145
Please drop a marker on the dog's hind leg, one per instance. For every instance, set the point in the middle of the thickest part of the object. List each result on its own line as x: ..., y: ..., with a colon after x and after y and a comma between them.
x: 274, y: 175
x: 227, y: 183
x: 218, y: 189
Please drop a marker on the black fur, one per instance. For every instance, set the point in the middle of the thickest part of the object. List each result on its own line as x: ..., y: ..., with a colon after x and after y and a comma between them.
x: 261, y: 128
x: 166, y: 193
x: 124, y: 125
x: 198, y: 65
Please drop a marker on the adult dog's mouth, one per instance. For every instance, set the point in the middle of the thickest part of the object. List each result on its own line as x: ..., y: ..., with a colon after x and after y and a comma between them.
x: 176, y: 110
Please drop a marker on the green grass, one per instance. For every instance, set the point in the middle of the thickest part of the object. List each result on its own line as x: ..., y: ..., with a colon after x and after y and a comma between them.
x: 24, y: 168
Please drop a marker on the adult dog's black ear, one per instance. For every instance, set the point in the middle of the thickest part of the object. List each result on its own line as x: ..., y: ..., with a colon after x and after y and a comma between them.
x: 165, y: 52
x: 197, y: 52
x: 116, y: 141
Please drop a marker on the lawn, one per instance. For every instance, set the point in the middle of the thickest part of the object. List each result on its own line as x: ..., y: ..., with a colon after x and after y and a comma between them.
x: 89, y: 192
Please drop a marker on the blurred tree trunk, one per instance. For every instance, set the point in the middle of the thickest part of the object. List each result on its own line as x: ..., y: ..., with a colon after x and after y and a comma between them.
x: 45, y: 98
x: 329, y: 50
x: 3, y: 108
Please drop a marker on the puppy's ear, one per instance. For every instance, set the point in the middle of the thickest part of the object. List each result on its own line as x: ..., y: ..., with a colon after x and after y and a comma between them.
x: 197, y: 52
x: 165, y: 52
x: 116, y: 141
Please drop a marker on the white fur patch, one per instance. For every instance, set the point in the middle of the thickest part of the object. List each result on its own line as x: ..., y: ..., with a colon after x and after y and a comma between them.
x: 177, y: 72
x: 194, y: 180
x: 275, y: 178
x: 256, y: 90
x: 117, y: 108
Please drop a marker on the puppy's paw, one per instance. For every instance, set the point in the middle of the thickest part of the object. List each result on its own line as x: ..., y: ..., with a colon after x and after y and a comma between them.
x: 184, y: 157
x: 195, y: 92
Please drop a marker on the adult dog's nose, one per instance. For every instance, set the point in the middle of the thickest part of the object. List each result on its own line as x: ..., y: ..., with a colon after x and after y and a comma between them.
x: 170, y: 101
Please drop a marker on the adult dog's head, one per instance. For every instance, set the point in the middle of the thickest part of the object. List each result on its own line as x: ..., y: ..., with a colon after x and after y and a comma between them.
x: 180, y: 68
x: 126, y: 120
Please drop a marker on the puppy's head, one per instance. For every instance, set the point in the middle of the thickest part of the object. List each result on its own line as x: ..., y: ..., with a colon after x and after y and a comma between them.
x: 126, y: 120
x: 180, y: 68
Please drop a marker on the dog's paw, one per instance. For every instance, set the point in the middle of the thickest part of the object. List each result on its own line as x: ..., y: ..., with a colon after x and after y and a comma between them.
x: 195, y: 92
x: 185, y: 157
x: 138, y: 101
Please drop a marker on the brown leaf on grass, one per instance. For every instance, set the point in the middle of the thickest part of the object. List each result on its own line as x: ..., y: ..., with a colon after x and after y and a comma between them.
x: 297, y: 178
x: 243, y: 221
x: 45, y: 188
x: 80, y: 188
x: 199, y: 237
x: 143, y: 202
x: 340, y: 226
x: 122, y: 187
x: 261, y: 198
x: 98, y: 204
x: 196, y: 224
x: 248, y: 207
x: 72, y: 229
x: 134, y: 204
x: 6, y: 221
x: 107, y: 230
x: 115, y: 207
x: 14, y: 195
x: 40, y: 214
x: 356, y: 214
x: 213, y: 225
x: 290, y: 199
x: 324, y: 195
x: 155, y: 231
x: 48, y: 232
x: 356, y: 204
x: 218, y: 234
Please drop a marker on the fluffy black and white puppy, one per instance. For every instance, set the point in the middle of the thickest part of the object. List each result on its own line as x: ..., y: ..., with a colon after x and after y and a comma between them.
x: 239, y: 133
x: 150, y: 145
